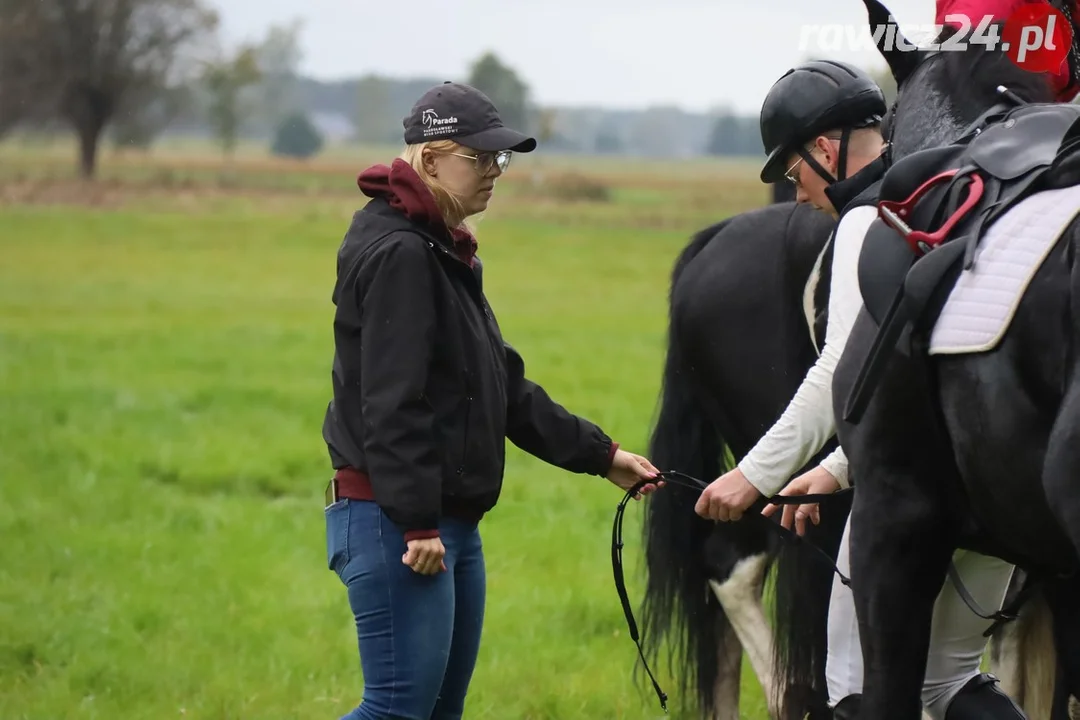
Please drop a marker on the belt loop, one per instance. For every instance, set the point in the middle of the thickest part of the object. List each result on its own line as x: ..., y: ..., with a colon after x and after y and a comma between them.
x: 331, y: 494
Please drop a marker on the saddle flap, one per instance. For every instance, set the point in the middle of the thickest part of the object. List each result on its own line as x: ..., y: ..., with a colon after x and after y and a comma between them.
x: 929, y: 281
x: 883, y: 263
x: 1028, y: 138
x: 909, y: 172
x: 1065, y: 172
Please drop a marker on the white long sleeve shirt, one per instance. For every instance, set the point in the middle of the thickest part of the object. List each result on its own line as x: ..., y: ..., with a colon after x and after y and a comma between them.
x: 808, y: 421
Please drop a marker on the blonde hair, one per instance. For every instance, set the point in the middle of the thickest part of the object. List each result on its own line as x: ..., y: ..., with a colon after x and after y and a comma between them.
x: 450, y: 206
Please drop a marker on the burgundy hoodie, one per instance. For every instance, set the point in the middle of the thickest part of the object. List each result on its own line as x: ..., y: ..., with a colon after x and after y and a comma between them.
x: 408, y: 194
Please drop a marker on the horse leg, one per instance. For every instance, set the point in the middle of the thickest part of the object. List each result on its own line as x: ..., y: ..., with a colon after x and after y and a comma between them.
x: 843, y: 665
x: 900, y: 550
x: 726, y: 691
x: 1061, y: 482
x: 1062, y: 595
x: 902, y: 533
x: 741, y: 595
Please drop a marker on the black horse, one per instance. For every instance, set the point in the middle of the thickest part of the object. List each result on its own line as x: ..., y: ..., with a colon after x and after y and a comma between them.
x: 743, y: 301
x: 980, y: 451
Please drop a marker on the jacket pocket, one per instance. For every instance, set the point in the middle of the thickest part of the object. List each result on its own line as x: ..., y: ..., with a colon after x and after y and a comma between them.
x: 338, y: 517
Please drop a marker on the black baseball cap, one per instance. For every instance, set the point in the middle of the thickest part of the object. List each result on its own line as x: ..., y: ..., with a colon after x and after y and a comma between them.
x: 459, y: 112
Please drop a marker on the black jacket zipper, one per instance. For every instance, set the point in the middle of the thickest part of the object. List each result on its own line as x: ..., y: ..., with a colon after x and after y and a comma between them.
x: 465, y: 434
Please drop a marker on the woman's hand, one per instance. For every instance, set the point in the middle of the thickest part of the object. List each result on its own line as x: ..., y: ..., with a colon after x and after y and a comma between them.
x: 627, y: 469
x: 814, y: 482
x: 425, y: 556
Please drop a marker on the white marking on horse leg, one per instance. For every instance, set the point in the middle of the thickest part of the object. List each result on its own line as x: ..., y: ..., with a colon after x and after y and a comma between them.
x: 726, y: 691
x: 740, y: 595
x: 810, y: 289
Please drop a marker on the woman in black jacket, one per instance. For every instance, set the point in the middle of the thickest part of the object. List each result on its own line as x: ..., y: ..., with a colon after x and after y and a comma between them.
x: 426, y: 392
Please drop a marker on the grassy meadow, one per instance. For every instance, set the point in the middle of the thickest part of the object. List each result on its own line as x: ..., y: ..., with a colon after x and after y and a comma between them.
x: 165, y: 348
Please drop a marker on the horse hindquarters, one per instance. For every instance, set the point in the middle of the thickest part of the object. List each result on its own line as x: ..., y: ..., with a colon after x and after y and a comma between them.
x: 1014, y: 418
x: 901, y: 537
x: 1061, y: 480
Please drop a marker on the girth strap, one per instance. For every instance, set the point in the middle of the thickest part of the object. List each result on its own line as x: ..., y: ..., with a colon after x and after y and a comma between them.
x: 1001, y: 616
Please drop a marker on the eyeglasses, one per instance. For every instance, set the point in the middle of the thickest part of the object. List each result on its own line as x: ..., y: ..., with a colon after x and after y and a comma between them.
x: 486, y: 160
x: 791, y: 174
x: 793, y: 178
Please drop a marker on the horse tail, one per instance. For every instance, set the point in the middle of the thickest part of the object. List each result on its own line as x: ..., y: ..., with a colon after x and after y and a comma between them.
x: 1023, y: 655
x: 803, y: 586
x: 677, y: 602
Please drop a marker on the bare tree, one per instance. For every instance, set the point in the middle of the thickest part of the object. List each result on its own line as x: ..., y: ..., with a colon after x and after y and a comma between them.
x: 80, y: 60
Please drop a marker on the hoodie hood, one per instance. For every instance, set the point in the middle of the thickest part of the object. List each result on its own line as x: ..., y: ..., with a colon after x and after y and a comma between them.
x: 402, y: 187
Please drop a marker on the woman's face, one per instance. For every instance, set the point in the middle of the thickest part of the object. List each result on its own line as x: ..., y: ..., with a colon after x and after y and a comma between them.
x: 469, y: 174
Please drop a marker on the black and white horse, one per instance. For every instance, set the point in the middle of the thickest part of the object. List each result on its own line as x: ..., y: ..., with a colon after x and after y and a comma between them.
x: 739, y: 345
x: 978, y: 450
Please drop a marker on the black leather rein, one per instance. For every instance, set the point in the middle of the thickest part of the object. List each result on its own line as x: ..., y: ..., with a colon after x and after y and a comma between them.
x: 672, y: 477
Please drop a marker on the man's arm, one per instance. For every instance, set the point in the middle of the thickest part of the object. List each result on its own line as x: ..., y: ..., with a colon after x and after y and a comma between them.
x: 808, y: 422
x: 545, y: 429
x: 836, y: 464
x: 397, y: 302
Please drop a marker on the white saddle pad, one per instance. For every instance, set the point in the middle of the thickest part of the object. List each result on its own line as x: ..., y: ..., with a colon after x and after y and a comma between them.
x: 982, y: 304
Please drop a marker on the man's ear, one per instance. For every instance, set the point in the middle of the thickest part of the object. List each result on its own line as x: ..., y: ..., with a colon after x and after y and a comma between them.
x: 831, y: 150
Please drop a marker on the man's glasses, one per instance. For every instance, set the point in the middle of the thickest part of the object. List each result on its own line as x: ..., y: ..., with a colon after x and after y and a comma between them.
x: 792, y: 173
x: 486, y: 160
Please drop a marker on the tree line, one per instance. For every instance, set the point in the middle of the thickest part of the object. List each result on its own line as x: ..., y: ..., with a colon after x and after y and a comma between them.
x: 135, y: 69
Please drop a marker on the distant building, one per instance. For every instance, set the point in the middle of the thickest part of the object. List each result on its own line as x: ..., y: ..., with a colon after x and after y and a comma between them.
x: 334, y: 127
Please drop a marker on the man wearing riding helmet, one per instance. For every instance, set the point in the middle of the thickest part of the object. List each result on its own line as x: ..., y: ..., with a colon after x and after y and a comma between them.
x: 1064, y: 80
x: 820, y: 124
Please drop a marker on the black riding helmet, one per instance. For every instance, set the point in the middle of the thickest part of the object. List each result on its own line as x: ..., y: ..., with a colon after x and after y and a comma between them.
x: 811, y: 99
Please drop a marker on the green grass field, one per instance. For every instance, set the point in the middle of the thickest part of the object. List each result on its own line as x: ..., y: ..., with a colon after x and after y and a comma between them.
x: 164, y: 368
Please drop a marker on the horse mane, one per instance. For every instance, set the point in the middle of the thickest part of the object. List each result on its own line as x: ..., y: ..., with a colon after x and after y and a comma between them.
x: 970, y: 77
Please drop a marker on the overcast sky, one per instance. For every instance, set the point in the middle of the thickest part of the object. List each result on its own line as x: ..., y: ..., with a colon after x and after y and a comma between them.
x: 618, y: 53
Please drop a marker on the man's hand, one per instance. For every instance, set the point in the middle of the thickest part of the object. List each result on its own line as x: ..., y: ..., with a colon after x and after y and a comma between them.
x: 727, y: 497
x: 627, y: 469
x: 813, y: 482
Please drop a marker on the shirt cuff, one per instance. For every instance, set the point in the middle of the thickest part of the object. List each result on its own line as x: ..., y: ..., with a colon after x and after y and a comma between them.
x: 760, y: 479
x: 837, y: 465
x: 421, y: 535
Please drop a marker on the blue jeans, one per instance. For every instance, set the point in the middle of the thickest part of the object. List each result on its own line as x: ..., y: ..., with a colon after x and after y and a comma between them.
x: 418, y: 634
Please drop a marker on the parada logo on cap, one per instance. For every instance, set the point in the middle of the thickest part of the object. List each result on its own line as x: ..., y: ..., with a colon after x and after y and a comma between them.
x: 435, y: 125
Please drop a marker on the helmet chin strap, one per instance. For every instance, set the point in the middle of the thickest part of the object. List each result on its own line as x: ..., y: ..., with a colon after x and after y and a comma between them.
x: 841, y: 164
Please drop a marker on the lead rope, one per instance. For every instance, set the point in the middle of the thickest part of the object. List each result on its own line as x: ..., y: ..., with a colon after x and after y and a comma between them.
x: 699, y: 485
x: 620, y: 585
x: 1000, y: 617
